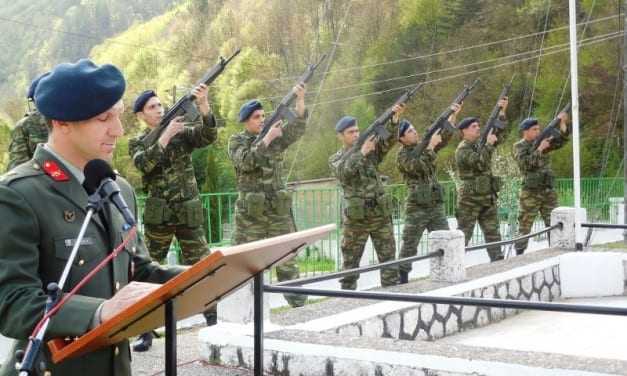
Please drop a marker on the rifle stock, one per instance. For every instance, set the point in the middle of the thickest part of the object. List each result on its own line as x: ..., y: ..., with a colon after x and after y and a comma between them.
x: 441, y: 123
x: 283, y: 109
x: 185, y: 105
x: 493, y: 124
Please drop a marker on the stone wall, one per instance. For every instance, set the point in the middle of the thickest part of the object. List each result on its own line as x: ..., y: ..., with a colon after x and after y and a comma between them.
x: 431, y: 321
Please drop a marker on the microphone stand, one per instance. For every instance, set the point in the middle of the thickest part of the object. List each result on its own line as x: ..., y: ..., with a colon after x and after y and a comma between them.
x: 26, y: 359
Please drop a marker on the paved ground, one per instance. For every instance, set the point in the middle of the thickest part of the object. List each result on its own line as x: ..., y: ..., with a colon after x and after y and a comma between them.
x: 152, y: 362
x: 594, y: 336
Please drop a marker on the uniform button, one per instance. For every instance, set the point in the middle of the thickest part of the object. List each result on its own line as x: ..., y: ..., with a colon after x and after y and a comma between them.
x: 117, y: 286
x: 117, y: 351
x: 81, y: 262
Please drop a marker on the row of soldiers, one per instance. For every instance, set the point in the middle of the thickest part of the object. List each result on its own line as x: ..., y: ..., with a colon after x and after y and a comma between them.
x: 263, y: 208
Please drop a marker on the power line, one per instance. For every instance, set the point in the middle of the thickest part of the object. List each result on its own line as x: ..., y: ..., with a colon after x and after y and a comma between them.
x: 379, y: 92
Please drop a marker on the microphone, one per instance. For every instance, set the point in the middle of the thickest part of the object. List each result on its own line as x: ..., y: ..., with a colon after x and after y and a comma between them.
x: 100, y: 180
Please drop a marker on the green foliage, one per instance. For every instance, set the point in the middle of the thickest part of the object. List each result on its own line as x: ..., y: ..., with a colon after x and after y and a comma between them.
x: 381, y: 46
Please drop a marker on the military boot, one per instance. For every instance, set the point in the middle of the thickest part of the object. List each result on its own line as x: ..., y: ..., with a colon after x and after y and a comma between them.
x: 143, y: 343
x: 403, y: 277
x: 211, y: 316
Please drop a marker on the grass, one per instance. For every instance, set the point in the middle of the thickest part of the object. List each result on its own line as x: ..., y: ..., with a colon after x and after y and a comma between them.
x: 619, y: 246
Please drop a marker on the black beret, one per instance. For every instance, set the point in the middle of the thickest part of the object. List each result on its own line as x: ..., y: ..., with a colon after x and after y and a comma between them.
x: 33, y: 85
x: 344, y: 123
x: 467, y: 122
x: 248, y: 108
x: 80, y: 91
x: 403, y: 126
x: 527, y: 123
x: 141, y: 100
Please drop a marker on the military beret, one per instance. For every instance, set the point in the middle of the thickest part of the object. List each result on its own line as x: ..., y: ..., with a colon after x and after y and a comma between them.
x: 79, y: 91
x: 344, y: 123
x: 33, y: 85
x: 467, y: 122
x: 141, y: 100
x: 527, y: 123
x: 248, y: 108
x: 403, y: 127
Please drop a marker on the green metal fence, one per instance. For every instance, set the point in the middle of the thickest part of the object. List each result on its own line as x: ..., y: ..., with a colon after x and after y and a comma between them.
x: 314, y: 207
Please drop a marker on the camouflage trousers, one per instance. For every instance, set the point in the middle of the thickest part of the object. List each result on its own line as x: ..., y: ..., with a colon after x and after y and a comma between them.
x: 270, y: 224
x: 191, y: 239
x: 482, y: 209
x: 355, y: 235
x: 419, y: 218
x: 530, y: 204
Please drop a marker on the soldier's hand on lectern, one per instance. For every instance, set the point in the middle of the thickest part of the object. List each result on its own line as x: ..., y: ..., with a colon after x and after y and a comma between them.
x: 124, y: 298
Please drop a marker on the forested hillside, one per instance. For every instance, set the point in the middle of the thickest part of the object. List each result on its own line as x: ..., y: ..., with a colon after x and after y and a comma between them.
x: 35, y: 35
x: 376, y: 49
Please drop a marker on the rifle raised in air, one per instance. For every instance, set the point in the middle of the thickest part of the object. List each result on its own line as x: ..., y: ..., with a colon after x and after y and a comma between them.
x: 378, y: 126
x: 552, y: 129
x: 441, y: 123
x: 283, y: 110
x: 494, y: 124
x: 184, y: 106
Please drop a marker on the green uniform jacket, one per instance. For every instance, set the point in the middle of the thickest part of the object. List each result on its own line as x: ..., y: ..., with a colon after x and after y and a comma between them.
x: 358, y: 174
x: 419, y: 173
x: 258, y: 168
x: 535, y: 166
x: 28, y: 132
x: 168, y: 173
x: 474, y: 168
x: 41, y: 219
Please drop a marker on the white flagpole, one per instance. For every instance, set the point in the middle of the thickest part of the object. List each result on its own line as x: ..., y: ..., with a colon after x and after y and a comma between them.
x: 574, y: 92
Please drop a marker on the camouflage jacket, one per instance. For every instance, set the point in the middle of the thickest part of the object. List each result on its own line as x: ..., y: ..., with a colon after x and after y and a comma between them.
x: 168, y: 173
x: 474, y: 168
x: 357, y: 174
x: 535, y: 166
x: 473, y: 161
x: 417, y: 169
x: 28, y: 132
x: 257, y: 167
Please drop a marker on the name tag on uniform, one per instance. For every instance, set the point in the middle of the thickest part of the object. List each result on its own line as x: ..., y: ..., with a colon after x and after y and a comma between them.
x: 86, y: 241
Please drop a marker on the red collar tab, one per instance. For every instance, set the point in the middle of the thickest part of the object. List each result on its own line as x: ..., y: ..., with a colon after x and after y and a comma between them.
x: 52, y: 169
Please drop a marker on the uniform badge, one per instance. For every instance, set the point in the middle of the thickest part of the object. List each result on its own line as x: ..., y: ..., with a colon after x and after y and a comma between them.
x: 69, y: 215
x: 52, y: 169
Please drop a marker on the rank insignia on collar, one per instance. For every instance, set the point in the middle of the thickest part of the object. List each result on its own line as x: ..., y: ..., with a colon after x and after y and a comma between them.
x: 69, y: 215
x: 52, y: 169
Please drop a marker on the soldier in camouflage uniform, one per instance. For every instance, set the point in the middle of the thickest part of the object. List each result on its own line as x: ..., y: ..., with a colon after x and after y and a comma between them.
x: 367, y: 211
x: 264, y: 206
x: 538, y: 194
x: 173, y: 206
x: 28, y: 132
x: 424, y: 208
x: 477, y: 194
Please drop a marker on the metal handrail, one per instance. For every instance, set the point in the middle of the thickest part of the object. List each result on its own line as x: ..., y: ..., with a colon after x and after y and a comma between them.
x: 559, y: 225
x: 453, y: 300
x: 604, y: 225
x: 363, y: 269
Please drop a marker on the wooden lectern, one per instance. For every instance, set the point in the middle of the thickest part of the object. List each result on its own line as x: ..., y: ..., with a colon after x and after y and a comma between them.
x: 190, y: 293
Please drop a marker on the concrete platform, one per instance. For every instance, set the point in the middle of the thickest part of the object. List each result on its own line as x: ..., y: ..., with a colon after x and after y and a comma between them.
x: 593, y: 336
